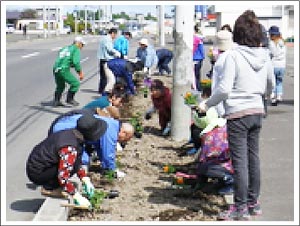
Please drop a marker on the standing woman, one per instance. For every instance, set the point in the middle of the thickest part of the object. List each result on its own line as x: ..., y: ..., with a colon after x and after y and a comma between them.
x: 198, y: 57
x: 277, y: 52
x: 248, y: 73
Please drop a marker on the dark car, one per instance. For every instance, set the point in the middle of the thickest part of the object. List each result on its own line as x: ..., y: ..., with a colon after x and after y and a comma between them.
x: 102, y: 32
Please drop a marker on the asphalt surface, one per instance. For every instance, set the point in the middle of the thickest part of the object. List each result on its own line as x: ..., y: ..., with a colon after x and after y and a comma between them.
x: 278, y: 147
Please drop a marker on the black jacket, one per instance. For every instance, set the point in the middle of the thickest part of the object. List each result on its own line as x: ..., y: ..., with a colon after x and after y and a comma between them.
x: 45, y: 154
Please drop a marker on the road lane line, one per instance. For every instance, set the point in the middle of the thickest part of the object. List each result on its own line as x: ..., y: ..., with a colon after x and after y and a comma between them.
x: 56, y: 48
x: 85, y: 59
x: 31, y: 55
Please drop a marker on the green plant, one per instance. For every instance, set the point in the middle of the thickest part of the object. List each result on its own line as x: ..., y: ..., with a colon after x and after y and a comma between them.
x: 190, y: 99
x: 136, y: 122
x: 97, y: 198
x: 110, y: 175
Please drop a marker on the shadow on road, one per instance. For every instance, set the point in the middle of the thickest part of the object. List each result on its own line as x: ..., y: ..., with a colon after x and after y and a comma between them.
x: 30, y: 205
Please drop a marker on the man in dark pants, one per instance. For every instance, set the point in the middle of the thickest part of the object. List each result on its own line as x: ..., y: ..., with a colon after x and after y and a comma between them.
x: 68, y: 57
x: 164, y: 58
x: 106, y: 52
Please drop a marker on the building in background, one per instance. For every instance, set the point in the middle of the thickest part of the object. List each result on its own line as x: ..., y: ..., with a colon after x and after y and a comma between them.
x: 268, y: 15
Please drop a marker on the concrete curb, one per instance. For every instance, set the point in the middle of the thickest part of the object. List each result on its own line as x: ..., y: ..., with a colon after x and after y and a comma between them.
x: 51, y: 210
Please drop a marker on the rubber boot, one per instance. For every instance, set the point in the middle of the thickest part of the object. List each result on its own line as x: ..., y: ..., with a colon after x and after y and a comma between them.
x: 56, y: 102
x: 70, y: 99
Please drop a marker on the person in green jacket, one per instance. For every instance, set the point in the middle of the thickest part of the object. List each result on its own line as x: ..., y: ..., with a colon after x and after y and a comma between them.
x: 68, y: 57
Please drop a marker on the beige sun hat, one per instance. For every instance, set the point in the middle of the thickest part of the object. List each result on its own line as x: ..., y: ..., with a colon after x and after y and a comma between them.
x: 224, y: 40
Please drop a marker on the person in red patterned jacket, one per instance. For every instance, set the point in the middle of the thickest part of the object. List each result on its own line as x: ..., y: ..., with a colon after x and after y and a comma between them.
x: 161, y: 99
x: 57, y: 158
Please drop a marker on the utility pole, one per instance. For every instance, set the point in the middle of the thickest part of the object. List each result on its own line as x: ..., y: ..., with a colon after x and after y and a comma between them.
x: 75, y: 14
x: 85, y: 20
x: 162, y: 25
x: 56, y: 21
x: 157, y: 24
x: 183, y: 71
x: 44, y: 21
x: 48, y: 17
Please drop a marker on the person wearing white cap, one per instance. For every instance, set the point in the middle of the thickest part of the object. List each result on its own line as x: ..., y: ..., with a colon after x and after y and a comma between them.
x: 147, y: 54
x: 68, y: 57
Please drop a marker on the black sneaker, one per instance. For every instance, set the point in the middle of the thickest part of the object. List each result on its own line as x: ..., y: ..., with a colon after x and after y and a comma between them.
x: 73, y: 102
x: 57, y: 104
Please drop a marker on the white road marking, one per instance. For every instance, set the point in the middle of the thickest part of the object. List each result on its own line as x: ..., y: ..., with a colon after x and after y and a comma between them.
x: 83, y: 60
x: 56, y: 48
x: 31, y: 55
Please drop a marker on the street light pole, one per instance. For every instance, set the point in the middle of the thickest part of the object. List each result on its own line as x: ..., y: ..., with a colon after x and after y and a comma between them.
x: 48, y: 20
x: 76, y: 22
x: 56, y: 21
x: 85, y: 20
x: 162, y: 25
x: 44, y: 21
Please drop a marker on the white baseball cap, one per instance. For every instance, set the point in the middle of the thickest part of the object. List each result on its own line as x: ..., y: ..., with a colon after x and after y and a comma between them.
x: 144, y: 41
x: 79, y: 39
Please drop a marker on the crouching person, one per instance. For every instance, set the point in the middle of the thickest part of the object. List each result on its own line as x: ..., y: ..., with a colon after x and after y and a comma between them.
x: 57, y: 158
x: 104, y: 146
x: 161, y: 100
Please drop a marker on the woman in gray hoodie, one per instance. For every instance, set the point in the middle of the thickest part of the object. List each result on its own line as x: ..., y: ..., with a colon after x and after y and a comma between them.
x: 247, y: 75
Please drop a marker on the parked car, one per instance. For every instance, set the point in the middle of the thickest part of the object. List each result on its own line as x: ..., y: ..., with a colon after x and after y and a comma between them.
x: 10, y: 28
x: 102, y: 32
x: 66, y: 30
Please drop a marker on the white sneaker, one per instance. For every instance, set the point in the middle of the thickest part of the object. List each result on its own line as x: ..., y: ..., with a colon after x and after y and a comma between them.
x: 279, y: 97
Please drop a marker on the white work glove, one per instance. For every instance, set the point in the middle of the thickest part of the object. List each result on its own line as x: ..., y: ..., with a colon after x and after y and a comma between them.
x: 80, y: 200
x: 120, y: 174
x: 87, y: 187
x: 117, y: 54
x: 202, y: 106
x: 145, y: 70
x: 119, y: 147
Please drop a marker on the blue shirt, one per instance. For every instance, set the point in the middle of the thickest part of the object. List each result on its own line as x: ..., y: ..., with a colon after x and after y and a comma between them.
x: 147, y: 56
x: 118, y: 68
x: 122, y: 45
x: 105, y: 146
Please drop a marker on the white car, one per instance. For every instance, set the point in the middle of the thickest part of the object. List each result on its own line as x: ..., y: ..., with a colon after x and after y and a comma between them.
x: 66, y: 30
x: 10, y: 28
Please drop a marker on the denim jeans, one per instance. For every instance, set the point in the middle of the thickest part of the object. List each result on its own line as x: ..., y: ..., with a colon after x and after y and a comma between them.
x: 243, y: 138
x: 279, y: 73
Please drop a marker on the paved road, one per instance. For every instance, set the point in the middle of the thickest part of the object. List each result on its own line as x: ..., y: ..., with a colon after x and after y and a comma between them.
x: 29, y: 88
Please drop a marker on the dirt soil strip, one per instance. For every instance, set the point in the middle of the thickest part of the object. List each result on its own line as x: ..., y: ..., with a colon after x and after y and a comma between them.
x: 146, y: 192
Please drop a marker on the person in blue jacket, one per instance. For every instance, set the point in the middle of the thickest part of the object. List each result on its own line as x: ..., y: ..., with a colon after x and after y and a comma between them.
x: 122, y: 44
x: 147, y: 54
x: 123, y: 71
x: 164, y: 58
x: 106, y: 145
